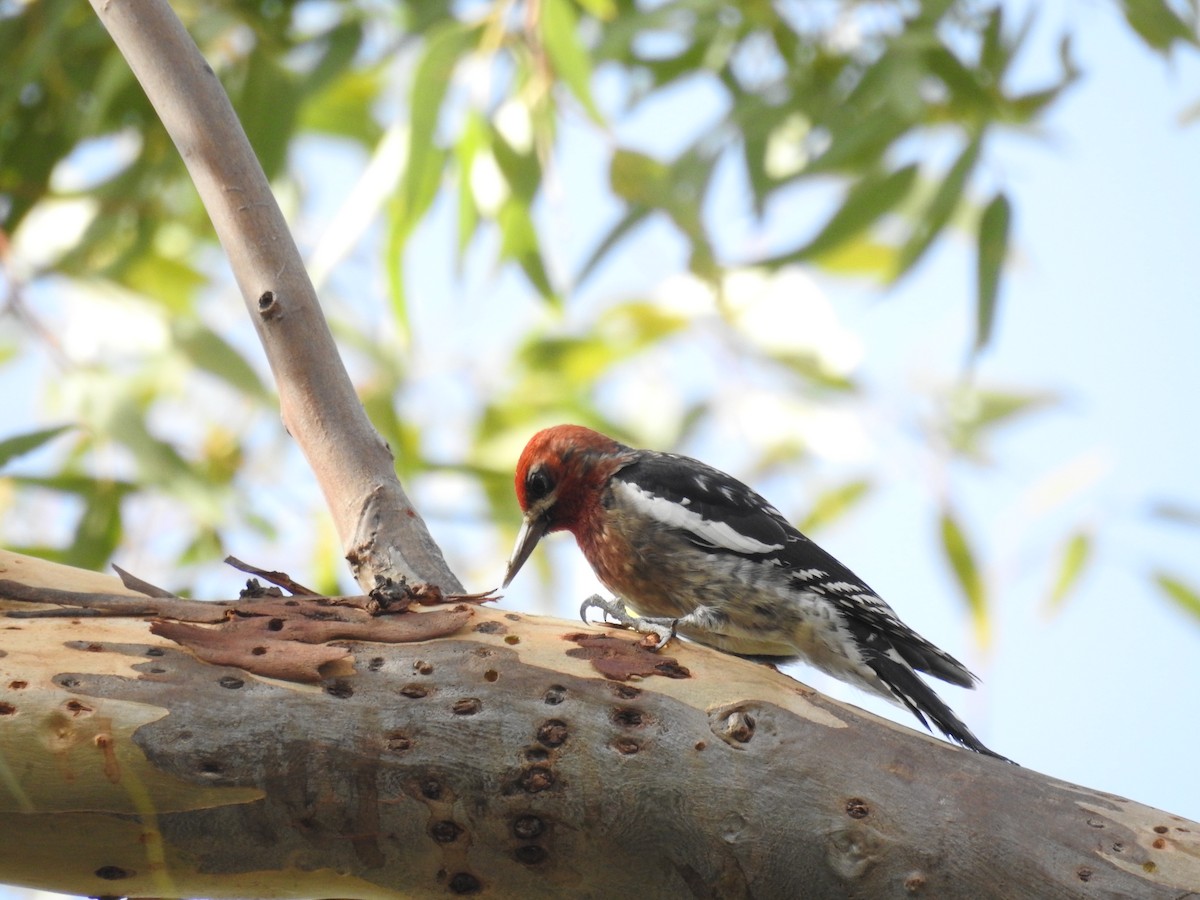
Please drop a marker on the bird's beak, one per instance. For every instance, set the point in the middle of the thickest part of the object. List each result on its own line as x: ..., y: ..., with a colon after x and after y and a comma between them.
x: 532, y: 531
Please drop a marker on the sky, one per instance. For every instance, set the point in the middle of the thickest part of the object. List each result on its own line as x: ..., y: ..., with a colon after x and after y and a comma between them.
x: 1102, y: 308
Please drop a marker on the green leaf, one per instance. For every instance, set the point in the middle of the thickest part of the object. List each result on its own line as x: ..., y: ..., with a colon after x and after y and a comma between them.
x: 1182, y: 594
x: 209, y: 351
x: 341, y: 46
x: 941, y: 207
x: 1076, y: 553
x: 444, y: 47
x: 401, y: 220
x: 961, y: 558
x: 470, y: 142
x: 267, y: 107
x: 519, y: 242
x: 1158, y: 24
x: 11, y: 448
x: 973, y: 414
x: 345, y: 107
x: 98, y: 531
x: 639, y: 179
x: 832, y: 504
x: 861, y: 256
x: 993, y: 248
x: 559, y: 31
x: 865, y: 203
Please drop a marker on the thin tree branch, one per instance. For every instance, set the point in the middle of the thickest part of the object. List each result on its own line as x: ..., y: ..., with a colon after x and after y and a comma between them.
x: 380, y: 531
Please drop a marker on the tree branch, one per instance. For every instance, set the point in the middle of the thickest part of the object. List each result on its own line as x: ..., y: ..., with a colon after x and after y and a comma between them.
x: 380, y: 531
x: 501, y: 761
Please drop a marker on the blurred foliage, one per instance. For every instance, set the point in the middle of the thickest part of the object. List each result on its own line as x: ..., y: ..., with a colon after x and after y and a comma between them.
x: 888, y: 108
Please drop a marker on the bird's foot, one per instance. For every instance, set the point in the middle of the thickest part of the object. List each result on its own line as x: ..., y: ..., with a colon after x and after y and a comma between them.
x: 662, y: 629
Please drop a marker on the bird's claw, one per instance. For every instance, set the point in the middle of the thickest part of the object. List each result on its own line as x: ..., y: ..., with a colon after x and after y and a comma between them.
x: 662, y: 629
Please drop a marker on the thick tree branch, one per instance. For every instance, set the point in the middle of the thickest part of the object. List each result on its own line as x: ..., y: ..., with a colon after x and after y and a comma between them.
x: 501, y: 761
x: 380, y: 531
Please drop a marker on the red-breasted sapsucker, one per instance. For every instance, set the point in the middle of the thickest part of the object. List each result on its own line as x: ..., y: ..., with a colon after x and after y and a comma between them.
x: 695, y: 552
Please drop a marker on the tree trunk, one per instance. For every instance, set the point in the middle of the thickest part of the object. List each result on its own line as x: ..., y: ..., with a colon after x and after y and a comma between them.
x: 508, y: 760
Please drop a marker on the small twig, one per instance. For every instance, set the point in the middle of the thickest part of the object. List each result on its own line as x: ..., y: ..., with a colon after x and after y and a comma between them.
x: 134, y: 583
x: 282, y: 579
x: 110, y: 604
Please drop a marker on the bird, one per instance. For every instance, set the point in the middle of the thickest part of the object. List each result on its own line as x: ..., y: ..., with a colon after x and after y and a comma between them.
x: 695, y: 552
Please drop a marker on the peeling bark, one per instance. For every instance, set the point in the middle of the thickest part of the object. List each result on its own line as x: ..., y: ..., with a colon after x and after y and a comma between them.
x: 504, y: 761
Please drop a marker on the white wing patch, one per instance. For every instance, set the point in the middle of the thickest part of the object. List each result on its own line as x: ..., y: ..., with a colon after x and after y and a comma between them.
x: 677, y: 515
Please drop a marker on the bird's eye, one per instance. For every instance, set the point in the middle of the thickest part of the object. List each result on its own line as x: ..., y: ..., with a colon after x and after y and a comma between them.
x: 537, y: 485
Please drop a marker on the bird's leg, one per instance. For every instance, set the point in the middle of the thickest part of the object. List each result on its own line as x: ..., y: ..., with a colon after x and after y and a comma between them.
x: 662, y: 629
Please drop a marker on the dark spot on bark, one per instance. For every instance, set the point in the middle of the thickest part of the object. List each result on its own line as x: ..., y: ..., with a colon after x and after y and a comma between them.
x: 423, y: 668
x: 445, y: 832
x: 1118, y: 846
x: 397, y: 741
x: 94, y: 648
x: 431, y: 789
x: 491, y: 628
x: 552, y: 733
x: 414, y: 691
x: 857, y: 809
x: 739, y: 726
x: 113, y: 873
x: 291, y: 602
x: 275, y: 625
x: 18, y: 685
x: 7, y: 709
x: 76, y: 709
x: 627, y: 717
x: 375, y: 664
x: 1161, y: 829
x: 491, y: 675
x: 1095, y: 823
x: 467, y: 706
x: 555, y: 694
x: 700, y: 745
x: 340, y: 689
x: 528, y: 827
x: 536, y: 754
x: 1158, y: 843
x: 672, y: 670
x: 267, y: 307
x: 536, y: 779
x: 626, y: 746
x: 1149, y: 867
x: 530, y: 854
x: 511, y: 639
x: 626, y: 691
x: 68, y: 682
x: 258, y: 651
x: 465, y: 883
x: 156, y: 670
x: 1084, y: 873
x: 512, y: 617
x: 155, y: 651
x: 184, y: 736
x: 914, y: 882
x: 231, y: 682
x: 211, y: 767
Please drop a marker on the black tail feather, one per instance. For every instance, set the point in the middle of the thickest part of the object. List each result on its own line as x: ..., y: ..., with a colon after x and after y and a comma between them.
x: 923, y: 703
